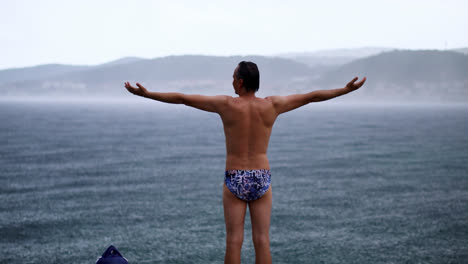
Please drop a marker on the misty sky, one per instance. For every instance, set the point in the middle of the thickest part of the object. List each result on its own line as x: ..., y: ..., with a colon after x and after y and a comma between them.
x: 92, y: 32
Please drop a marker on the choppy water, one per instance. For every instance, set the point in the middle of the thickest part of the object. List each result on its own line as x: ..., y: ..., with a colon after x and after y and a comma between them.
x: 351, y: 184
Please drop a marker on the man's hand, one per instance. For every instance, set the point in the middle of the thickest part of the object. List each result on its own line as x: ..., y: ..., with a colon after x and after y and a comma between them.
x: 141, y: 91
x: 352, y: 85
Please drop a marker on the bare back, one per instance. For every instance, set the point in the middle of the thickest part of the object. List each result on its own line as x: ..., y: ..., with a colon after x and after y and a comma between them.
x: 248, y: 122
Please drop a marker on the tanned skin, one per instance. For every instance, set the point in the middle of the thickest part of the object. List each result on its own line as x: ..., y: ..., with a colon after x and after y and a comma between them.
x: 248, y: 121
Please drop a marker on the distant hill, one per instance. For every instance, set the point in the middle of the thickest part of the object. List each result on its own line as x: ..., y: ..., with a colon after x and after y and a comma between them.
x: 398, y: 75
x: 332, y: 57
x: 51, y: 70
x: 407, y: 73
x: 405, y: 66
x: 190, y: 73
x: 37, y: 72
x: 461, y: 50
x: 190, y: 67
x: 121, y: 61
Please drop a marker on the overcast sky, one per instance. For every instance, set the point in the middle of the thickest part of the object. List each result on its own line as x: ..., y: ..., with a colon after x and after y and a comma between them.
x: 92, y: 32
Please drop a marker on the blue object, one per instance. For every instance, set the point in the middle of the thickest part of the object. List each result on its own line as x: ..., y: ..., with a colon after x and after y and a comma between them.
x: 111, y: 256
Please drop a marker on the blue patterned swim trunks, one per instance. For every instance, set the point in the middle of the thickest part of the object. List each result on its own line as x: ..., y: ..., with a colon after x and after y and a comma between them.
x: 248, y: 185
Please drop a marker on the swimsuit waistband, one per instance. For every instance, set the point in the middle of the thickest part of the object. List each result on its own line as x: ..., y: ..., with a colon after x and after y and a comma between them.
x: 255, y: 173
x: 259, y: 170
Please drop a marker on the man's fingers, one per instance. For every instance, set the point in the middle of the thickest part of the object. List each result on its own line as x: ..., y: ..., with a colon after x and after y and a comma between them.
x: 362, y: 81
x: 130, y: 88
x: 140, y: 86
x: 351, y: 83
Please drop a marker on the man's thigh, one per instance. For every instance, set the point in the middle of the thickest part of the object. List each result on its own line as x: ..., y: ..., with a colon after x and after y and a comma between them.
x: 234, y: 211
x: 260, y: 213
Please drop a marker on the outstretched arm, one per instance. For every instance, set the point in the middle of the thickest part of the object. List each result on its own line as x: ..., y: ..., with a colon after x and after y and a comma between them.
x: 206, y: 103
x: 284, y: 104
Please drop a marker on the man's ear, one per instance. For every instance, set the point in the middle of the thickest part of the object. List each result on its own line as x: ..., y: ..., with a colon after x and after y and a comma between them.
x: 241, y: 82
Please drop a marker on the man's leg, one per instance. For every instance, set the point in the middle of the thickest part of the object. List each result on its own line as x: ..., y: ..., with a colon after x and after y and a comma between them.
x: 260, y: 213
x: 234, y: 215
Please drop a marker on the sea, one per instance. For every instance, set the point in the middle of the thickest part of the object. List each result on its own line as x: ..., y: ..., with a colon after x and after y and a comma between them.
x: 352, y: 183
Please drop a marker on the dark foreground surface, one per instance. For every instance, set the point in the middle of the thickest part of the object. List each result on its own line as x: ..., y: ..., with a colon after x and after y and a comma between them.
x: 351, y: 184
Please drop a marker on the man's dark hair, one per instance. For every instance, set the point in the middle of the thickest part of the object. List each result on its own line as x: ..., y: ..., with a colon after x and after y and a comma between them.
x: 248, y: 72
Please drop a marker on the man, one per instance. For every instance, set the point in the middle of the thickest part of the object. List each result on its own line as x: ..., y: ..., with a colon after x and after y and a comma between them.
x: 247, y: 122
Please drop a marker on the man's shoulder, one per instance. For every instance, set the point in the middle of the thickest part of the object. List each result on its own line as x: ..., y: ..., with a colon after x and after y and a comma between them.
x: 222, y: 98
x: 274, y: 99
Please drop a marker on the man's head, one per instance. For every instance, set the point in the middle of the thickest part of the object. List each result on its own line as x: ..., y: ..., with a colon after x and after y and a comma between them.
x: 247, y: 74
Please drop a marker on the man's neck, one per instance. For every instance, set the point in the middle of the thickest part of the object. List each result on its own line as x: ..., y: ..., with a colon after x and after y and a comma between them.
x: 245, y: 94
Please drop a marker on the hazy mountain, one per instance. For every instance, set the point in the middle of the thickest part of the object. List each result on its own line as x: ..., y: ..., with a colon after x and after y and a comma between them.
x: 356, y: 53
x: 121, y: 61
x: 405, y: 66
x: 401, y: 75
x: 407, y: 74
x: 51, y: 70
x: 190, y: 73
x: 37, y: 72
x: 333, y: 57
x: 461, y: 50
